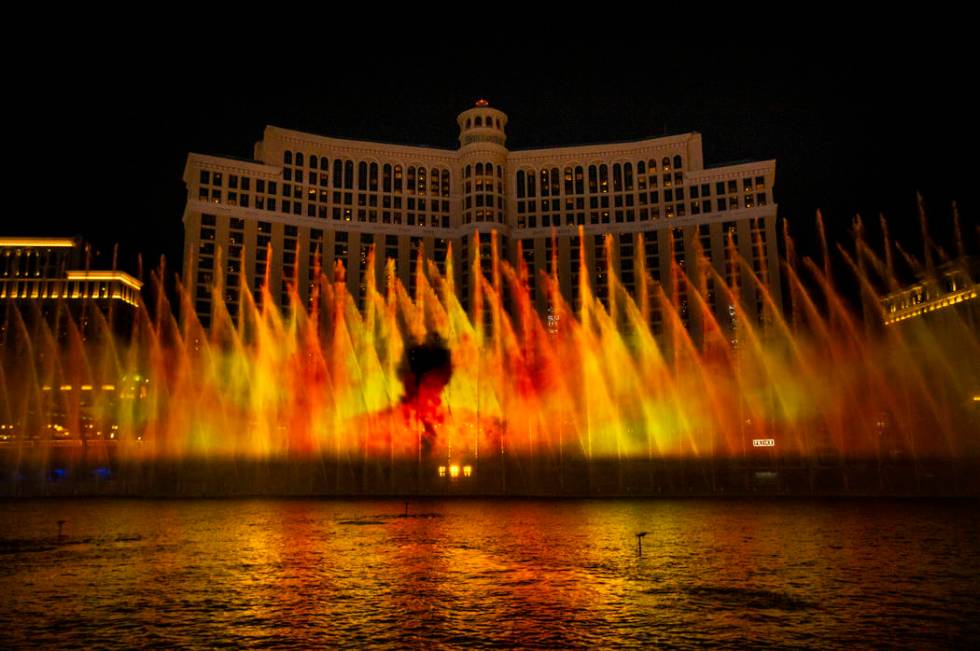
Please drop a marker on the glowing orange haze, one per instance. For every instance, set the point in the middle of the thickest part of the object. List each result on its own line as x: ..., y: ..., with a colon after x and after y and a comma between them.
x: 330, y: 379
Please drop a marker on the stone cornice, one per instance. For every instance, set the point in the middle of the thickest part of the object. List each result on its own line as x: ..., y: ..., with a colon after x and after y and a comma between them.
x: 601, y: 152
x: 732, y: 171
x: 362, y: 148
x: 228, y: 165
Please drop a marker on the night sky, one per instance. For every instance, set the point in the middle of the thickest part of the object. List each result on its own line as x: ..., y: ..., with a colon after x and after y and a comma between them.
x: 104, y: 136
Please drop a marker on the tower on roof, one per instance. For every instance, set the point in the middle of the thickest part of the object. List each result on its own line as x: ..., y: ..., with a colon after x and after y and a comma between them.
x: 482, y: 124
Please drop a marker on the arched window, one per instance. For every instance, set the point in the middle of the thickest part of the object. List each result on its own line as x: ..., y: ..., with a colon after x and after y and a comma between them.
x: 421, y: 184
x: 603, y: 178
x: 617, y: 178
x: 338, y: 173
x: 531, y: 185
x: 434, y: 182
x: 641, y: 167
x: 468, y: 172
x: 386, y: 178
x: 678, y: 162
x: 520, y: 184
x: 299, y: 158
x: 593, y: 180
x: 666, y: 163
x: 555, y: 182
x: 410, y: 179
x: 628, y: 176
x: 445, y: 183
x: 362, y: 176
x: 348, y: 174
x: 479, y: 120
x: 398, y: 178
x: 287, y: 157
x: 324, y: 164
x: 373, y: 178
x: 312, y: 162
x: 479, y: 169
x: 579, y: 180
x: 545, y: 184
x: 652, y: 169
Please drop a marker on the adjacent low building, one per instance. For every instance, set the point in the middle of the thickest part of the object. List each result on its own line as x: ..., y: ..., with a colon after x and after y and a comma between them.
x: 63, y: 326
x: 39, y: 274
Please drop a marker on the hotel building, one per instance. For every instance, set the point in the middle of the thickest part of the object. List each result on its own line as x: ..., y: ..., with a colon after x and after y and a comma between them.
x: 305, y: 193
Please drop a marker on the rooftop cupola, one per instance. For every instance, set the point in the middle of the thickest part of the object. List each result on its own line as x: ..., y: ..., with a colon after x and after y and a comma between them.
x: 482, y: 124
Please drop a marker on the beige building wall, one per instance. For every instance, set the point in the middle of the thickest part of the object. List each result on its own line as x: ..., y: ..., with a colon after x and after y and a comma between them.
x: 308, y: 196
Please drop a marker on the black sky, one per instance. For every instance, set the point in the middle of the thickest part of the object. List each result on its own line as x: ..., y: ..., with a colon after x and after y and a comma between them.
x: 103, y: 134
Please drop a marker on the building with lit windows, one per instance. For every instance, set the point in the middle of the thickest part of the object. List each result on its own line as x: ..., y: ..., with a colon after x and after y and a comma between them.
x: 58, y: 315
x: 950, y: 286
x: 305, y: 193
x: 40, y: 274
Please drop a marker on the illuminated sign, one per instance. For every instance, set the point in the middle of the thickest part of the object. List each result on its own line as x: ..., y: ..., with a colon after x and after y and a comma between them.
x: 763, y: 443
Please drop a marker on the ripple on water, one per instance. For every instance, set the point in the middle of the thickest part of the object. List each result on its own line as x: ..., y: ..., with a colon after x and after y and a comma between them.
x: 488, y: 573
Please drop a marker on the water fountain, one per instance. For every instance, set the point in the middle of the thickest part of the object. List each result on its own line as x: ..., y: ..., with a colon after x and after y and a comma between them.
x: 412, y: 395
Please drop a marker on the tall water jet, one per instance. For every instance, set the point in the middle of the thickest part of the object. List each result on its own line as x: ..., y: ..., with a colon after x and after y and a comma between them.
x: 391, y: 391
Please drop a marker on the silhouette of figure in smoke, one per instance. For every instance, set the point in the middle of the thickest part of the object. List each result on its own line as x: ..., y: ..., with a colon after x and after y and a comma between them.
x: 425, y: 370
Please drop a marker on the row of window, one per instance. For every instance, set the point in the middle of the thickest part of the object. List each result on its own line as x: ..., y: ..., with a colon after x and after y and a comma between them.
x: 436, y: 182
x: 480, y: 121
x: 550, y: 182
x: 393, y: 178
x: 33, y: 262
x: 547, y: 183
x: 626, y: 254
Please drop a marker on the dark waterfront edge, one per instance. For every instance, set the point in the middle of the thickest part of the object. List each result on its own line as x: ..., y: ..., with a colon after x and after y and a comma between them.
x: 66, y: 476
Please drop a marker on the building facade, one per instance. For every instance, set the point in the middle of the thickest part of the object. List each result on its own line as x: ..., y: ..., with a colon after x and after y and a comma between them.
x: 652, y: 199
x: 39, y: 275
x: 60, y: 324
x: 950, y: 286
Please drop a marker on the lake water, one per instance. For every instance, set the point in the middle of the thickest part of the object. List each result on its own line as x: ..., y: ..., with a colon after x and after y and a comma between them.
x: 524, y: 573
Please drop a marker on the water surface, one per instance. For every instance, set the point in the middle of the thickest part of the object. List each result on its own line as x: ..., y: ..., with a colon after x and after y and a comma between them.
x: 509, y: 573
